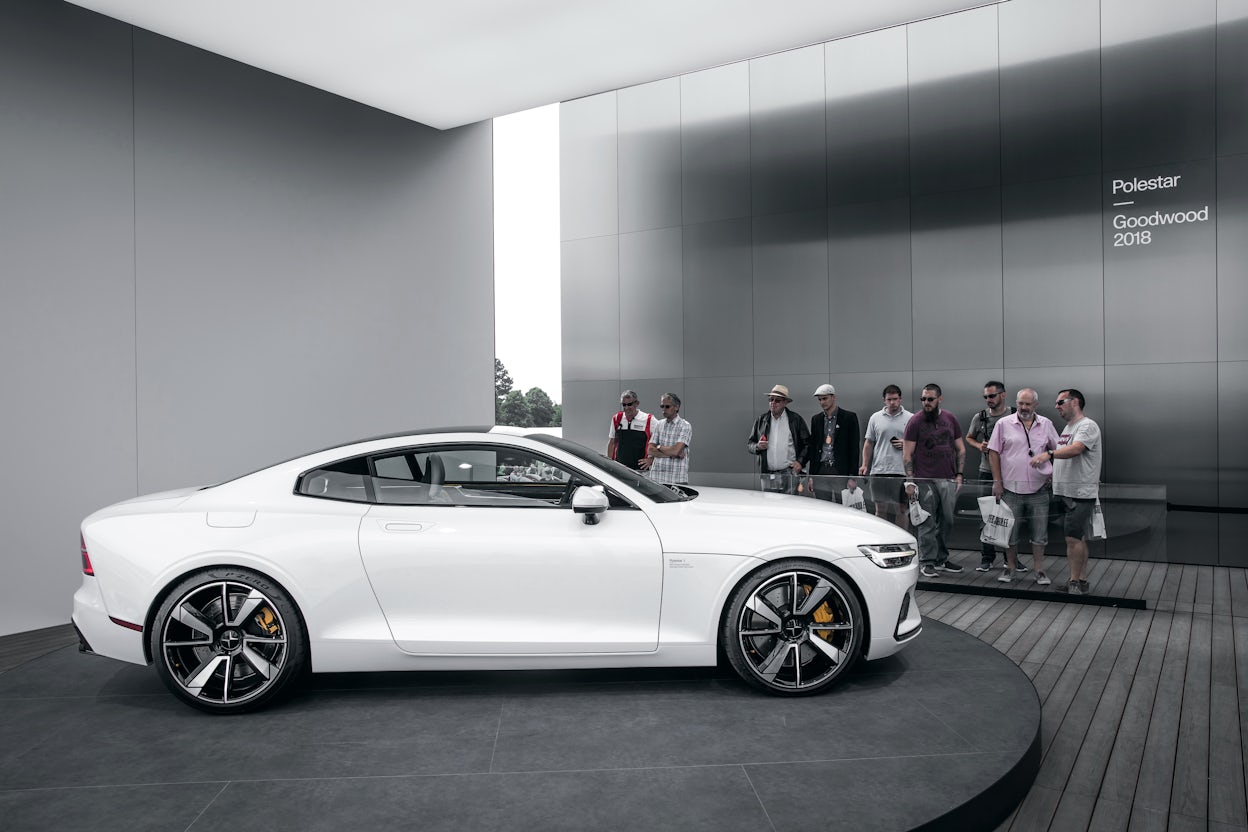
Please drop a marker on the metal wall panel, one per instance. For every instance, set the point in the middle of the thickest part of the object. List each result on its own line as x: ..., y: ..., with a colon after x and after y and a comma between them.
x: 1188, y: 468
x: 1232, y: 253
x: 1050, y: 89
x: 956, y: 247
x: 870, y: 286
x: 590, y: 296
x: 788, y: 148
x: 715, y: 143
x: 955, y: 125
x: 1232, y: 532
x: 721, y: 410
x: 718, y: 298
x: 790, y: 291
x: 651, y: 307
x: 867, y: 119
x: 588, y: 175
x: 649, y: 156
x: 66, y: 294
x: 1232, y: 75
x: 1232, y: 404
x: 1052, y: 280
x: 587, y: 410
x: 1157, y: 81
x: 1161, y: 278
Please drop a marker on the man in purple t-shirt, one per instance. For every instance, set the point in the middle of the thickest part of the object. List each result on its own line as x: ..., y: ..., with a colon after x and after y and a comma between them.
x: 934, y: 453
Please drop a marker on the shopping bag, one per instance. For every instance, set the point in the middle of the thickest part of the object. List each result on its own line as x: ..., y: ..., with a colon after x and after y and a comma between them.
x: 853, y: 499
x: 997, y: 527
x: 1097, y: 523
x: 986, y: 505
x: 917, y: 514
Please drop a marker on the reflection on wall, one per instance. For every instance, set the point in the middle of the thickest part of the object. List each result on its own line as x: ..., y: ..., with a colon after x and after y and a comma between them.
x: 1050, y: 192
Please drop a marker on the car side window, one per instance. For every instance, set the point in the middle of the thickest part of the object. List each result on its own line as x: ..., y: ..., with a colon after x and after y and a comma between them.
x: 344, y: 480
x: 470, y: 475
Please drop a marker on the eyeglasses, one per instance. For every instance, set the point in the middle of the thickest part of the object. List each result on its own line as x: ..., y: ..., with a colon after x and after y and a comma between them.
x: 628, y: 404
x: 666, y: 406
x: 927, y: 398
x: 1061, y: 402
x: 776, y: 399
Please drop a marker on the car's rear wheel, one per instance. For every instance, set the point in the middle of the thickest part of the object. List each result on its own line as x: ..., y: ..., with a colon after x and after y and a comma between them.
x: 228, y: 641
x: 793, y: 628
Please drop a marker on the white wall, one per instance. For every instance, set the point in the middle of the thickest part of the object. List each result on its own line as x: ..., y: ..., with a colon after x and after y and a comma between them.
x: 205, y: 268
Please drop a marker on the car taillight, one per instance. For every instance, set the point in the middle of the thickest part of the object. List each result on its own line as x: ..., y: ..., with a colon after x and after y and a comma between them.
x: 86, y: 559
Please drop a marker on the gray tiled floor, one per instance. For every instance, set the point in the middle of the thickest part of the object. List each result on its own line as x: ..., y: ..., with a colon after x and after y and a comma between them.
x: 90, y: 743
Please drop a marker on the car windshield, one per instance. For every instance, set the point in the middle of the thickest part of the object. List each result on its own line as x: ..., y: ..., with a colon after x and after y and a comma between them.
x: 655, y: 491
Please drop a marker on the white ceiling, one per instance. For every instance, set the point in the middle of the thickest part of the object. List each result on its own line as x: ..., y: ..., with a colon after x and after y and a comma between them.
x: 450, y: 63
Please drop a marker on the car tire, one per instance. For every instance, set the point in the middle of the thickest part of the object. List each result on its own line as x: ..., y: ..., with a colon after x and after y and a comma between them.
x: 793, y: 628
x: 231, y: 662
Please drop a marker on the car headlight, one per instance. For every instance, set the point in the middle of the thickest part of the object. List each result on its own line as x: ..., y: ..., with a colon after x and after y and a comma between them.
x: 889, y: 555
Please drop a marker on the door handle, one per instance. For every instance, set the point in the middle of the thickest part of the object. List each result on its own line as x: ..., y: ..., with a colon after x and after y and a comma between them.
x: 404, y: 527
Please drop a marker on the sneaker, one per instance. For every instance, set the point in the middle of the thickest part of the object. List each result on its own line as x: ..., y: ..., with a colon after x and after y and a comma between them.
x: 928, y: 571
x: 1006, y: 576
x: 1073, y: 588
x: 1020, y: 567
x: 949, y: 566
x: 1083, y: 587
x: 1042, y: 579
x: 984, y: 566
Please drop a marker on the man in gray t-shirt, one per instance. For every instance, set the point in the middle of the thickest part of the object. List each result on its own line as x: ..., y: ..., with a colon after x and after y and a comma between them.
x: 1076, y: 477
x: 977, y: 435
x: 881, y: 455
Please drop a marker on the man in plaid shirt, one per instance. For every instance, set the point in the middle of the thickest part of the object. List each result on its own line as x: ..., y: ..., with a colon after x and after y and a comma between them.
x: 667, y: 455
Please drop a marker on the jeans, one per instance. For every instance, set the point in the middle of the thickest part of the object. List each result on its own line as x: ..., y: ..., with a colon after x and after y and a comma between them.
x: 938, y: 498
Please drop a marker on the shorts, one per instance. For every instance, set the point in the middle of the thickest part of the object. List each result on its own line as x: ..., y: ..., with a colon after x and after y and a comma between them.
x: 888, y: 489
x: 1078, y: 516
x: 1032, y: 509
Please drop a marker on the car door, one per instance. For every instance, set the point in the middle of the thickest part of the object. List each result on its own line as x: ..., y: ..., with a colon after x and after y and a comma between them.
x: 475, y: 549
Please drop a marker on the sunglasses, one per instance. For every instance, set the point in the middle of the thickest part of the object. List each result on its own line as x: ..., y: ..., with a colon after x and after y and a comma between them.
x: 991, y: 395
x: 1061, y: 402
x: 927, y: 398
x: 628, y: 404
x: 776, y: 399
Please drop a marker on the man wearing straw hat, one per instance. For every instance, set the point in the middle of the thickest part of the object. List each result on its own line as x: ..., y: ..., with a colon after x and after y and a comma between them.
x: 779, y: 440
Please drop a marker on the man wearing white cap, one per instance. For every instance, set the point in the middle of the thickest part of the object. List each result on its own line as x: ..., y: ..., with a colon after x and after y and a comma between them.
x: 779, y: 440
x: 834, y: 448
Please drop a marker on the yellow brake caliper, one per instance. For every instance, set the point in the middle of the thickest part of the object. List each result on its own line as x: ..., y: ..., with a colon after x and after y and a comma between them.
x: 267, y: 621
x: 823, y: 615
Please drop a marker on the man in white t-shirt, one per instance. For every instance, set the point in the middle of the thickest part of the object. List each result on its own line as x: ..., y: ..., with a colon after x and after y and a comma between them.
x: 1076, y: 474
x: 881, y: 456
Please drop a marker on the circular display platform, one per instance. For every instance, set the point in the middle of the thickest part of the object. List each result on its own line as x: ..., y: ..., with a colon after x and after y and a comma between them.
x: 945, y: 735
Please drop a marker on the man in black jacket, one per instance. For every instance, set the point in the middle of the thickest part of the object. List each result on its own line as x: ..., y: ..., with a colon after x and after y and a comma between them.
x: 780, y: 441
x: 835, y: 445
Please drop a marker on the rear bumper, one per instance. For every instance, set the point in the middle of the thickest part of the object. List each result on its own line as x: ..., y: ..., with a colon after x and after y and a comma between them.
x: 97, y: 633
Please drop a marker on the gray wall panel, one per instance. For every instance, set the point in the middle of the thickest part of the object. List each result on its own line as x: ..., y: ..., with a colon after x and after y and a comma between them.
x: 721, y: 411
x: 649, y: 156
x: 867, y: 118
x: 715, y: 143
x: 587, y: 410
x: 1187, y: 468
x: 1052, y: 279
x: 588, y: 177
x: 869, y: 286
x: 957, y: 280
x: 955, y: 126
x: 787, y: 143
x: 1232, y: 438
x: 1050, y: 89
x: 1232, y: 72
x: 1168, y: 284
x: 718, y: 298
x: 590, y: 293
x: 791, y: 278
x: 651, y: 309
x: 66, y: 295
x: 255, y: 200
x: 1232, y: 532
x: 1157, y: 81
x: 1232, y: 254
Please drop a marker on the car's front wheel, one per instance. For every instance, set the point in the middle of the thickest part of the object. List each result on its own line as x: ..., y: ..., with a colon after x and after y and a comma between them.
x: 793, y: 628
x: 228, y: 640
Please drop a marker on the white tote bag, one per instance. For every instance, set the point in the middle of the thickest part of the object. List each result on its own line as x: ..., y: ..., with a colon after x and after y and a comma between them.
x: 1097, y: 523
x: 853, y: 499
x: 997, y: 527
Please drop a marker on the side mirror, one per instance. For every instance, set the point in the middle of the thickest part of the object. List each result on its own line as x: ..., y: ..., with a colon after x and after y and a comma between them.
x: 591, y: 501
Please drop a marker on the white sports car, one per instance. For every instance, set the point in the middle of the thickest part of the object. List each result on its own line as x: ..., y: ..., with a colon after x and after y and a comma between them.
x: 483, y: 549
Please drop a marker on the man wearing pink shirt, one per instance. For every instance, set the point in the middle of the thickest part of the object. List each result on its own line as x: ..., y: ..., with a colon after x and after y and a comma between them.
x: 1016, y: 441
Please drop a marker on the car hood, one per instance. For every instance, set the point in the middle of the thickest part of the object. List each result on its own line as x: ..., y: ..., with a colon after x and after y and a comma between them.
x: 734, y: 521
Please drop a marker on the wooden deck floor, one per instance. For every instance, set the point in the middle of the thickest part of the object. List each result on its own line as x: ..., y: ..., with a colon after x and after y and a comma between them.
x: 1145, y: 712
x: 1143, y: 726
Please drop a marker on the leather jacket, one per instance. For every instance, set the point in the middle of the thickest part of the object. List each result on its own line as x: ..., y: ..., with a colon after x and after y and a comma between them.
x: 797, y: 429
